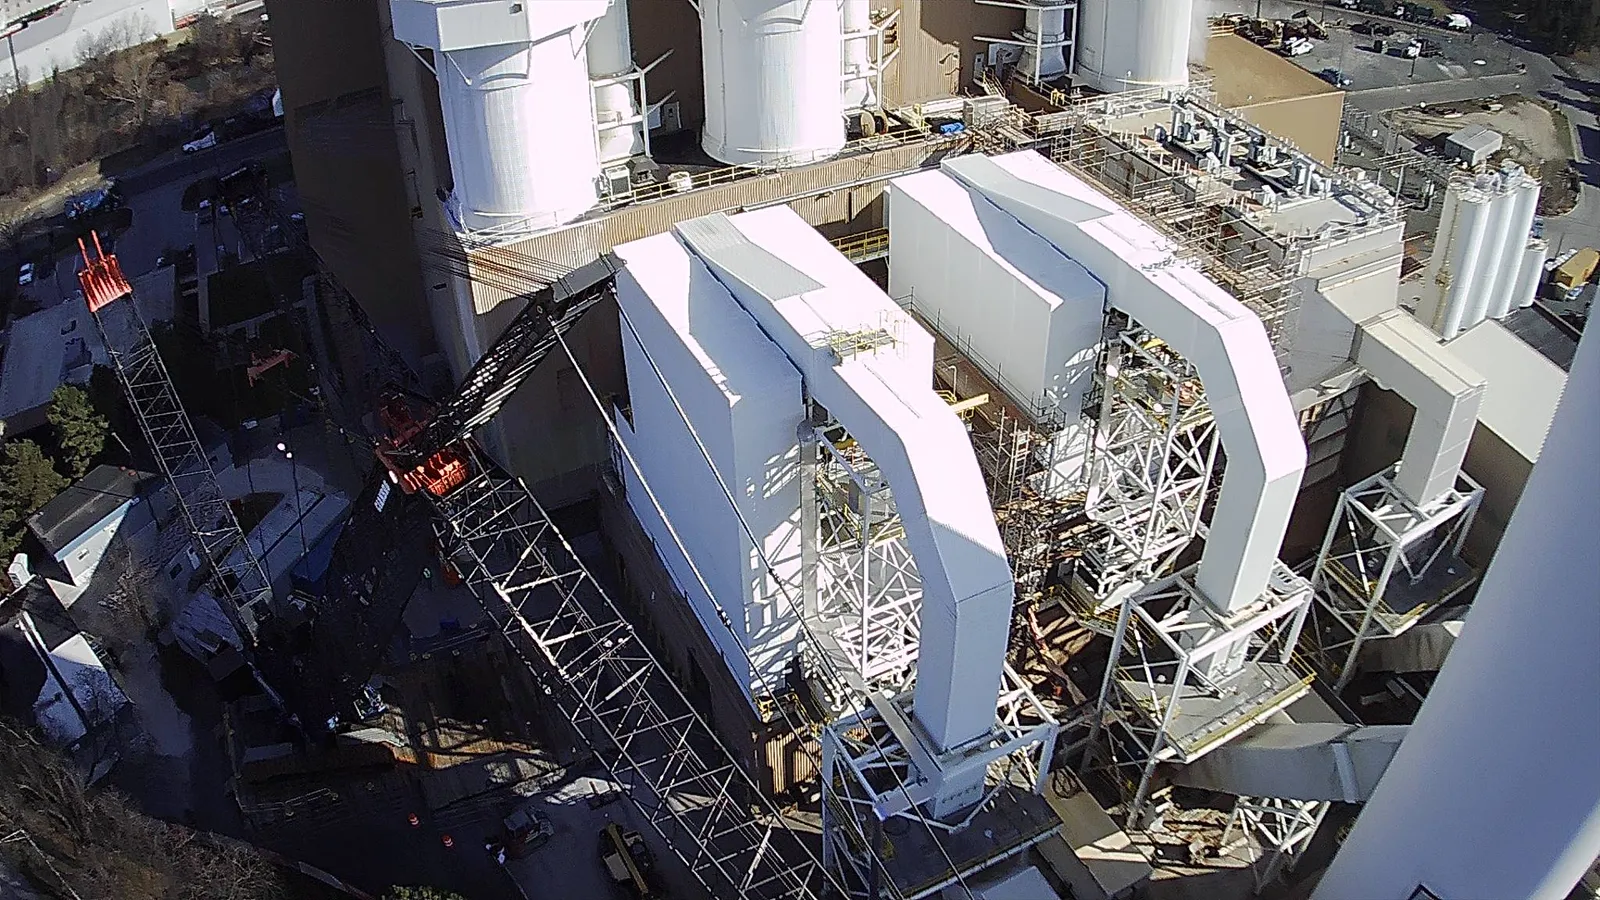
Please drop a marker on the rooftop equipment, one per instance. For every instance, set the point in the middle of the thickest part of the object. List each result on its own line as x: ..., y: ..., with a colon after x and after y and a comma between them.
x: 1133, y: 44
x: 773, y: 81
x: 518, y: 109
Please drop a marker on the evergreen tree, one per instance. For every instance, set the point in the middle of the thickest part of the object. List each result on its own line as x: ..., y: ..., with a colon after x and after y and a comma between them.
x: 80, y: 431
x: 27, y: 482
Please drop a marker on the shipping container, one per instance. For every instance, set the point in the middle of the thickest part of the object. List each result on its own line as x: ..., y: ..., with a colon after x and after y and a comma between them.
x: 1577, y: 271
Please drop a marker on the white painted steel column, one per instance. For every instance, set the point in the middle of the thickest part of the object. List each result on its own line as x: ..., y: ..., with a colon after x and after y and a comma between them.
x: 1494, y: 792
x: 855, y: 92
x: 616, y: 109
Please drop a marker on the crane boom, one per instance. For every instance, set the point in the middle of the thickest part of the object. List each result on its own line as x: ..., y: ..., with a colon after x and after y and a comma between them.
x: 237, y: 579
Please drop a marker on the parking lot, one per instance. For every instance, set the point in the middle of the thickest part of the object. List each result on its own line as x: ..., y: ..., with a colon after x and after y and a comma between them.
x: 154, y: 194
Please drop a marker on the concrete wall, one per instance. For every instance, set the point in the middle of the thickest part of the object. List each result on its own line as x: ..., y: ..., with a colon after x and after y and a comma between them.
x: 333, y: 68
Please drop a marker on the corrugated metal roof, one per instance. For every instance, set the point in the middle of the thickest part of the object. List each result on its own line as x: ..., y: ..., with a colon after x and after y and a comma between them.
x: 1477, y: 138
x: 716, y: 240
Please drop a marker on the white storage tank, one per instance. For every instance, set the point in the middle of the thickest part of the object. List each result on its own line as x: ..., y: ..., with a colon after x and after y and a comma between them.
x: 1530, y: 275
x: 518, y: 115
x: 1524, y: 199
x: 1133, y: 44
x: 1493, y: 259
x: 772, y: 75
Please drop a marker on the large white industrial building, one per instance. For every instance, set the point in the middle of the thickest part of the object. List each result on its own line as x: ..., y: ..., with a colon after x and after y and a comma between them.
x: 1052, y: 524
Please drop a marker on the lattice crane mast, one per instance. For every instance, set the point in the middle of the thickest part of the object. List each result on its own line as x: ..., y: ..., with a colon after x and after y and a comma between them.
x: 236, y: 578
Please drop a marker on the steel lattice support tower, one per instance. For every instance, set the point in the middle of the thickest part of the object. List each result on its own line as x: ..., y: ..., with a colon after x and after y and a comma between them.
x: 236, y: 577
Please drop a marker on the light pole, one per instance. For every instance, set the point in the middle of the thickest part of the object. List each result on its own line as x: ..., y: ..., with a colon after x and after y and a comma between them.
x: 16, y: 73
x: 294, y: 474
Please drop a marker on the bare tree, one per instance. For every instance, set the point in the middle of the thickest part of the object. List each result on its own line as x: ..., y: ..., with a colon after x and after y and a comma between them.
x: 137, y: 79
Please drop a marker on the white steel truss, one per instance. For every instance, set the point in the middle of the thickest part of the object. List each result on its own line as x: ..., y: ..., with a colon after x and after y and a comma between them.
x: 876, y: 770
x: 1273, y: 832
x: 1182, y: 681
x: 1385, y: 563
x: 1151, y: 459
x: 868, y: 595
x: 239, y: 583
x: 589, y: 660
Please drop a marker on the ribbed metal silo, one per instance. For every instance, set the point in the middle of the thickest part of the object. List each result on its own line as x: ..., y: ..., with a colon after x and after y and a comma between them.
x: 772, y: 77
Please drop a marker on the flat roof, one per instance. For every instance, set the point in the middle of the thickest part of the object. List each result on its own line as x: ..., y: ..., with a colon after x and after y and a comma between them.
x: 1524, y: 387
x: 75, y: 510
x: 1248, y: 74
x: 42, y: 352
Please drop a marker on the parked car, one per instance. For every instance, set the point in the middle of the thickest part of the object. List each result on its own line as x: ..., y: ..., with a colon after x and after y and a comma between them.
x: 204, y: 214
x: 1382, y: 29
x: 25, y: 275
x: 1362, y: 27
x: 202, y: 140
x: 1334, y: 77
x: 1297, y: 46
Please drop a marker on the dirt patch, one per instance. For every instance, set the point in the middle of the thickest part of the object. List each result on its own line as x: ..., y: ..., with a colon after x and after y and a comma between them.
x: 1537, y: 136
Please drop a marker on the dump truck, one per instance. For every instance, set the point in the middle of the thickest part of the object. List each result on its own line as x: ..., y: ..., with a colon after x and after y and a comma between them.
x: 1568, y: 279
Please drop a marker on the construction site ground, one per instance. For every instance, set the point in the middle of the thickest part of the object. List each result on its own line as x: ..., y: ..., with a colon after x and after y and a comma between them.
x: 1536, y: 133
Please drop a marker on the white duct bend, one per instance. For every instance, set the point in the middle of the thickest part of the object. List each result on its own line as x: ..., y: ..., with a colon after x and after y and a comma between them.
x: 1222, y: 339
x: 801, y: 292
x: 1403, y: 355
x: 518, y: 115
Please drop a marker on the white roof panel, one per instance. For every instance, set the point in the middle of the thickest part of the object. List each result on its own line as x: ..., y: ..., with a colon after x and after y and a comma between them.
x: 1524, y: 387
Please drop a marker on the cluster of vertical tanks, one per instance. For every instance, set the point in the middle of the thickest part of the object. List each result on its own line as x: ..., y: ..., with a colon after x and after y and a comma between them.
x: 1484, y: 262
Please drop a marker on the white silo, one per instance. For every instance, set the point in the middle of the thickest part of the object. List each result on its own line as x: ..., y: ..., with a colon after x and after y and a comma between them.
x: 1044, y: 23
x: 1462, y: 226
x: 1524, y: 194
x: 1529, y: 275
x: 518, y: 115
x: 1132, y: 44
x: 1492, y: 256
x: 618, y: 126
x: 772, y: 75
x: 1494, y: 791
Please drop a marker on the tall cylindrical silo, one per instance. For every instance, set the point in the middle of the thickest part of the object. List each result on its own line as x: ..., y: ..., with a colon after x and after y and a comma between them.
x: 856, y: 90
x: 1046, y: 21
x: 772, y: 74
x: 1132, y: 44
x: 1530, y: 274
x: 518, y: 115
x: 1466, y: 252
x: 1435, y: 302
x: 1493, y: 255
x: 1524, y: 206
x: 616, y: 109
x: 1494, y: 791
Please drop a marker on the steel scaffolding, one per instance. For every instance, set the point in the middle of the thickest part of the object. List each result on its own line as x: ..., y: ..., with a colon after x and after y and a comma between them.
x: 1386, y: 563
x: 1273, y: 832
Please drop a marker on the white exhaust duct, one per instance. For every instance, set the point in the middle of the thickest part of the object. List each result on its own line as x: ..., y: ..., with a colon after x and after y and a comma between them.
x: 773, y: 81
x: 518, y: 115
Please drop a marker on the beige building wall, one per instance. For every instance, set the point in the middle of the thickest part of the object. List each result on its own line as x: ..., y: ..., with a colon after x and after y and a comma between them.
x: 937, y: 45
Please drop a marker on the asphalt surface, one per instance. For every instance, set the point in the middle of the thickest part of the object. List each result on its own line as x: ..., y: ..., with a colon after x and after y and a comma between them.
x: 154, y: 191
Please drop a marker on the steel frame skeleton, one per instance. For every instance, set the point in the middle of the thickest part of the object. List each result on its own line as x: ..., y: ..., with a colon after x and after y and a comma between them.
x: 1171, y: 650
x: 589, y: 660
x: 1151, y: 459
x: 237, y: 580
x: 874, y: 769
x: 1273, y: 831
x: 867, y: 593
x: 1380, y: 544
